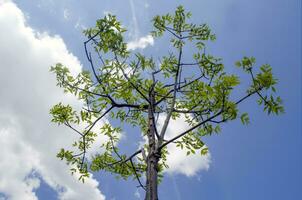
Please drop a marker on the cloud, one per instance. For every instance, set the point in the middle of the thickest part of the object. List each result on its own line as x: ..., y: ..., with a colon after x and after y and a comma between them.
x: 79, y: 24
x: 135, y: 29
x: 107, y: 12
x: 140, y: 43
x: 29, y: 142
x: 66, y: 14
x: 137, y: 194
x: 177, y: 160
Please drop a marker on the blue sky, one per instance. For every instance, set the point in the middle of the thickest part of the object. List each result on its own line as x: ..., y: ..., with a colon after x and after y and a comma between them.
x: 260, y: 161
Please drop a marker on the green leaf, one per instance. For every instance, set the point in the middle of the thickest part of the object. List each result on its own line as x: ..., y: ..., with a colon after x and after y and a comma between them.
x: 238, y: 64
x: 204, y: 151
x: 245, y: 118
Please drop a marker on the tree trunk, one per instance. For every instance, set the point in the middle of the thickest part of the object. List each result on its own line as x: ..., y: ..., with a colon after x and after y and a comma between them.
x: 152, y: 175
x: 153, y: 154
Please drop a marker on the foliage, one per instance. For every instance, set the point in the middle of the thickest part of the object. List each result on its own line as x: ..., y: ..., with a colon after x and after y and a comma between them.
x: 135, y: 89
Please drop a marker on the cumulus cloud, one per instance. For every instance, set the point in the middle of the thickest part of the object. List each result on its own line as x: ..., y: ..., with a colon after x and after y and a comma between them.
x: 177, y: 160
x: 140, y: 43
x: 29, y: 142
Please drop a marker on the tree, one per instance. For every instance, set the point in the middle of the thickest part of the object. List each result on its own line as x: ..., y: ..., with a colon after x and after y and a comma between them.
x: 131, y: 88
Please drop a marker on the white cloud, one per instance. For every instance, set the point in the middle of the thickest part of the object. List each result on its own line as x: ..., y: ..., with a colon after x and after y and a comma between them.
x: 177, y: 160
x: 28, y: 140
x: 107, y: 12
x: 79, y: 24
x: 137, y: 194
x: 135, y: 29
x: 140, y: 43
x: 66, y: 14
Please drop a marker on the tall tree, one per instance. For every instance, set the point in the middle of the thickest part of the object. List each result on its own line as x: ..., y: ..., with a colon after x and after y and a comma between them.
x: 135, y: 89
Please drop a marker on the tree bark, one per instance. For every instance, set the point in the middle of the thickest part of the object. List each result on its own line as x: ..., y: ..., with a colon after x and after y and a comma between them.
x: 153, y: 155
x: 152, y: 177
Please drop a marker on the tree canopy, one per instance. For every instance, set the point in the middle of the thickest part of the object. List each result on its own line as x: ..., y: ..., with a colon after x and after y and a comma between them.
x: 132, y: 88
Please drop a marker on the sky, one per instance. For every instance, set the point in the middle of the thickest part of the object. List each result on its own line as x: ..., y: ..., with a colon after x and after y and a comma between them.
x: 260, y: 161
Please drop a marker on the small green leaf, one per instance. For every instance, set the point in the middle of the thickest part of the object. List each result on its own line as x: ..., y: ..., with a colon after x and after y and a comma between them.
x: 245, y: 118
x: 238, y: 64
x: 204, y: 151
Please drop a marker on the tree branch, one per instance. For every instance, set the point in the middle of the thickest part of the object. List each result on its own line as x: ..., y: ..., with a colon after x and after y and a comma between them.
x: 128, y: 79
x: 68, y: 125
x: 164, y: 128
x: 99, y: 118
x: 203, y: 122
x: 136, y: 175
